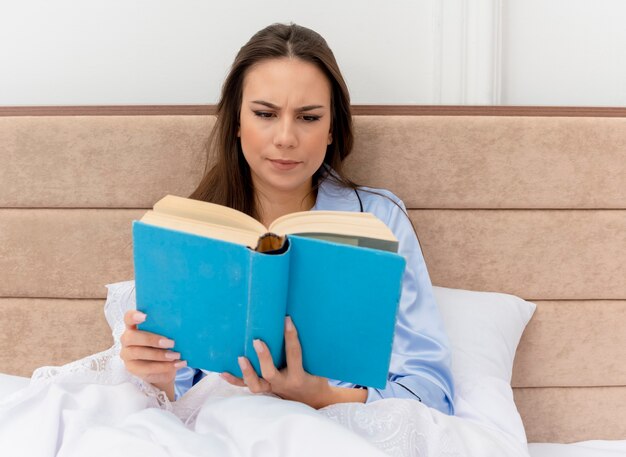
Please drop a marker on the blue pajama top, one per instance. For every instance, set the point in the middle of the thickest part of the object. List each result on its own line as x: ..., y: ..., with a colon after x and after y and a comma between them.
x: 420, y: 359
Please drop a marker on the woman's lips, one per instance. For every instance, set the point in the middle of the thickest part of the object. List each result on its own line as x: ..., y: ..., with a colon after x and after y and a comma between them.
x: 284, y: 164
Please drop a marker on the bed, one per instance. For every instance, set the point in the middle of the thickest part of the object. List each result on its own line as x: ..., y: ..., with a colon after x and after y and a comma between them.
x: 524, y: 209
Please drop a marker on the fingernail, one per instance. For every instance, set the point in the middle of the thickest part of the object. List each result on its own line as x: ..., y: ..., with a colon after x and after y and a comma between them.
x: 242, y: 363
x: 172, y: 355
x: 139, y: 317
x: 288, y: 324
x: 180, y: 364
x: 165, y: 343
x: 257, y: 345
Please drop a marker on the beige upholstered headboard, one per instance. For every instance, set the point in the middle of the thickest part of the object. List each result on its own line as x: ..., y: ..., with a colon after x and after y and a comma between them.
x: 531, y: 203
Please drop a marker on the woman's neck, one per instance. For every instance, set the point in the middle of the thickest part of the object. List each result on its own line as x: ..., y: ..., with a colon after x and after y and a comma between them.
x: 274, y: 204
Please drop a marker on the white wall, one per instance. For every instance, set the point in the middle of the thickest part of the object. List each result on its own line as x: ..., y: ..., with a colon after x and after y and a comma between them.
x: 566, y: 52
x: 57, y: 52
x: 84, y: 52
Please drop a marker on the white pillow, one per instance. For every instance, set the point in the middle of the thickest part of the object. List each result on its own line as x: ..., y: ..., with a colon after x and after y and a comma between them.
x: 484, y: 329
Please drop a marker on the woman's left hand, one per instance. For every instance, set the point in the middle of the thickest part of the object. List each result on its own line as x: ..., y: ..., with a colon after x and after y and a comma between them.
x: 290, y: 383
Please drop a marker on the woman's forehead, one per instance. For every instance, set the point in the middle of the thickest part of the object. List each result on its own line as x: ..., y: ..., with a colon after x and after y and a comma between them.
x: 286, y: 81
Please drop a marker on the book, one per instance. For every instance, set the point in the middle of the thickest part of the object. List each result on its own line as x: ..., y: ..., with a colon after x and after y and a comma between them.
x: 213, y: 279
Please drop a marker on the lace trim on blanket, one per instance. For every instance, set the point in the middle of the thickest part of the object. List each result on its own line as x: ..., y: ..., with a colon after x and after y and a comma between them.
x: 106, y: 367
x: 398, y: 427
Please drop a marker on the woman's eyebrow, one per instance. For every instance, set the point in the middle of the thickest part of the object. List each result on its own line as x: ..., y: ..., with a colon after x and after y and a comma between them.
x: 272, y: 106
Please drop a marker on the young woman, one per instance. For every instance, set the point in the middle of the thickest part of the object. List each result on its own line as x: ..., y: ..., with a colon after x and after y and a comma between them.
x: 283, y: 130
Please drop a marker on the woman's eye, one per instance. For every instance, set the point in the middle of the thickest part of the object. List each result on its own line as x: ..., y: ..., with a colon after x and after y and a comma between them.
x: 263, y: 114
x: 311, y: 118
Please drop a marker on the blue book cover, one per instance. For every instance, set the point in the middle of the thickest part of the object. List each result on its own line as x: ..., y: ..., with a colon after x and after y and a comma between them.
x: 214, y: 297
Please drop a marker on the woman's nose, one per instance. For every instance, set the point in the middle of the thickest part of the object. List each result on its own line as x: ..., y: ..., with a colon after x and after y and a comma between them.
x: 285, y: 135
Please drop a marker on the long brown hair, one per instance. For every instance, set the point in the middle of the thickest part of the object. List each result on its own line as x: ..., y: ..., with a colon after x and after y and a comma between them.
x: 228, y: 180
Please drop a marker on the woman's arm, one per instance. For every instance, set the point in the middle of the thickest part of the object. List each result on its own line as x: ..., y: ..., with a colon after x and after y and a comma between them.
x: 420, y: 361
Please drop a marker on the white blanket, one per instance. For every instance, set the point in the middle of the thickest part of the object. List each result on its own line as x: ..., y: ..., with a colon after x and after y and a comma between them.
x: 67, y: 416
x: 94, y: 407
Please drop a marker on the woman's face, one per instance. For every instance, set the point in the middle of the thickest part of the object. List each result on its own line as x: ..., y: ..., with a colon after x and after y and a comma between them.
x: 285, y: 123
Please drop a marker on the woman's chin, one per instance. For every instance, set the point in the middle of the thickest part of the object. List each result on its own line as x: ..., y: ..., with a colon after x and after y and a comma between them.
x: 283, y: 183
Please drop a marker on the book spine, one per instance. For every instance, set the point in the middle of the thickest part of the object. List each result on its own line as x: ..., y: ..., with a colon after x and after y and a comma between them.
x: 267, y: 305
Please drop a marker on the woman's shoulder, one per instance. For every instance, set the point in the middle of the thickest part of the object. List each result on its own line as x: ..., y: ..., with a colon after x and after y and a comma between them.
x: 379, y: 196
x: 381, y: 202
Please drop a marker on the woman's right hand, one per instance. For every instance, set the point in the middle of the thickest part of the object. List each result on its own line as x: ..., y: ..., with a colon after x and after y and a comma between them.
x: 146, y: 354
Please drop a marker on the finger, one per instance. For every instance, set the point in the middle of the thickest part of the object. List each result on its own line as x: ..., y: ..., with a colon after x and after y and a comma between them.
x: 250, y: 378
x: 293, y: 350
x: 129, y: 353
x: 132, y: 318
x: 155, y: 371
x: 268, y: 369
x: 140, y: 338
x: 231, y: 379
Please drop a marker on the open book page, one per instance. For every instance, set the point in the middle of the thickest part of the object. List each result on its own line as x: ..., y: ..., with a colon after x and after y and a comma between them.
x: 357, y: 229
x: 208, y: 212
x: 220, y: 222
x: 352, y: 240
x: 220, y: 232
